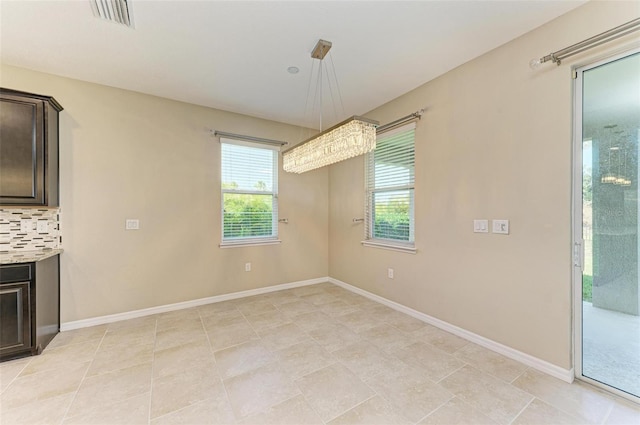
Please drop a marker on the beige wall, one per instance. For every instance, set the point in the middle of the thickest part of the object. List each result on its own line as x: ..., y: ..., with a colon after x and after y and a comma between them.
x: 128, y: 155
x: 495, y: 142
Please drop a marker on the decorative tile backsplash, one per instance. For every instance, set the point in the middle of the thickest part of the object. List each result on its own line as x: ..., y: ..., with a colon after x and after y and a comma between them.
x: 29, y: 229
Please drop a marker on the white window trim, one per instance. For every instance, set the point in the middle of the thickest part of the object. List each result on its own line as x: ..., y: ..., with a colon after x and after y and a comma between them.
x: 389, y: 244
x: 257, y: 240
x: 250, y: 243
x: 408, y: 248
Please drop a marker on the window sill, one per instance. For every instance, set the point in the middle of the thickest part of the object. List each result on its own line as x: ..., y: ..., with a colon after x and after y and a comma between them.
x: 408, y: 249
x: 249, y: 243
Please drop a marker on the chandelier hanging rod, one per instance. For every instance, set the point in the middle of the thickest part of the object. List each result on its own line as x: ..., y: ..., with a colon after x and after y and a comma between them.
x: 248, y: 138
x: 353, y: 137
x: 330, y: 129
x: 589, y: 43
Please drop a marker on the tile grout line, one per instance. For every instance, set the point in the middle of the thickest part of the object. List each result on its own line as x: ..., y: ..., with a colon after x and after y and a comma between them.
x: 458, y: 369
x: 436, y: 409
x: 320, y: 368
x: 295, y: 381
x: 307, y: 402
x: 521, y: 410
x: 520, y: 375
x: 560, y: 408
x: 277, y: 360
x: 153, y: 362
x: 174, y: 411
x: 356, y: 405
x: 478, y: 368
x: 213, y: 355
x: 75, y: 395
x: 382, y: 396
x: 17, y: 375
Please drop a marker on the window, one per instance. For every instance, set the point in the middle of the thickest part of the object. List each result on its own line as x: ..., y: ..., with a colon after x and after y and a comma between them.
x: 390, y: 176
x: 249, y: 192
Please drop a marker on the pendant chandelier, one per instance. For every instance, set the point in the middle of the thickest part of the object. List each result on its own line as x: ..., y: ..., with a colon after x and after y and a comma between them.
x: 617, y: 170
x: 352, y: 137
x: 617, y: 164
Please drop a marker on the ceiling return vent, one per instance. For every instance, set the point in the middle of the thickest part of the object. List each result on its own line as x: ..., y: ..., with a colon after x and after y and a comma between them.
x: 118, y: 11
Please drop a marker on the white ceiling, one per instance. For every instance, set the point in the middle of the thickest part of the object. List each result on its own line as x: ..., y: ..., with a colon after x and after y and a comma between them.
x: 234, y: 55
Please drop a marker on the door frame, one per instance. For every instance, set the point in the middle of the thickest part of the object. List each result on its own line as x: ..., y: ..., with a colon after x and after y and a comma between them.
x: 577, y: 242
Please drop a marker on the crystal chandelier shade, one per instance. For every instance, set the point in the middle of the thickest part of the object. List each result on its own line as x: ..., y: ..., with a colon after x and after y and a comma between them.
x: 353, y: 137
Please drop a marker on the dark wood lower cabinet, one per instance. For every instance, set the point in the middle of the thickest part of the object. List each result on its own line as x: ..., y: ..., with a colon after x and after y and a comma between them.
x: 29, y: 307
x: 15, y: 320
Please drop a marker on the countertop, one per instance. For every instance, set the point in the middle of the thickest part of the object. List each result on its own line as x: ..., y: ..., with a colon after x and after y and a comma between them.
x: 15, y: 257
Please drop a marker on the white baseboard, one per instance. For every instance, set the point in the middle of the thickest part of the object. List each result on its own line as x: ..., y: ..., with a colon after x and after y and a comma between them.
x: 101, y: 320
x: 566, y: 375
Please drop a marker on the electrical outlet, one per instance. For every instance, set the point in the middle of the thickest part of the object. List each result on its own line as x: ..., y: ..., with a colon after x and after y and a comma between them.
x: 26, y: 226
x: 132, y: 224
x: 42, y: 226
x: 390, y: 273
x: 247, y: 267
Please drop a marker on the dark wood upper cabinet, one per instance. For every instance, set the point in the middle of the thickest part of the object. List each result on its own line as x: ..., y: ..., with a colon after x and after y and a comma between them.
x: 28, y: 149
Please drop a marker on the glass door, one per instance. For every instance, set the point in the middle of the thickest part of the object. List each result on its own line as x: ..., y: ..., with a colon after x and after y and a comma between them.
x: 606, y: 231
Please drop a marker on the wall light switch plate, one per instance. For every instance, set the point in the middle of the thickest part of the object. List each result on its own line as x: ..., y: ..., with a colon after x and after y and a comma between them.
x: 132, y: 224
x: 481, y: 226
x: 501, y: 227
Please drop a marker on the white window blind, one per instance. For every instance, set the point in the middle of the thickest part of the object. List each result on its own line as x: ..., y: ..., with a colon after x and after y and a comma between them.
x: 390, y: 176
x: 249, y: 192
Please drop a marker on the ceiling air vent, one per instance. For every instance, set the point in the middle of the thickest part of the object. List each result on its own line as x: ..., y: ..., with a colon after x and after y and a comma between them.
x: 118, y: 11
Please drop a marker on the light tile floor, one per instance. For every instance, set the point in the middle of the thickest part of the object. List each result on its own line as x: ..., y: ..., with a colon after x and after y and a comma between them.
x: 312, y: 355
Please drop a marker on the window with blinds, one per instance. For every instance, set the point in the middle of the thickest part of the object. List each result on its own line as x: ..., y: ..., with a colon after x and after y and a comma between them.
x: 249, y: 192
x: 390, y: 176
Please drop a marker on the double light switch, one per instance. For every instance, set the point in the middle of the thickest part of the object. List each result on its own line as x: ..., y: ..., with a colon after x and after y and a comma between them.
x: 481, y: 226
x: 497, y: 226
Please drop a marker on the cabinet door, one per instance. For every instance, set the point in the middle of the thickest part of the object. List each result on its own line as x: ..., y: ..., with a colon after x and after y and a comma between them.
x: 22, y: 178
x: 15, y: 322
